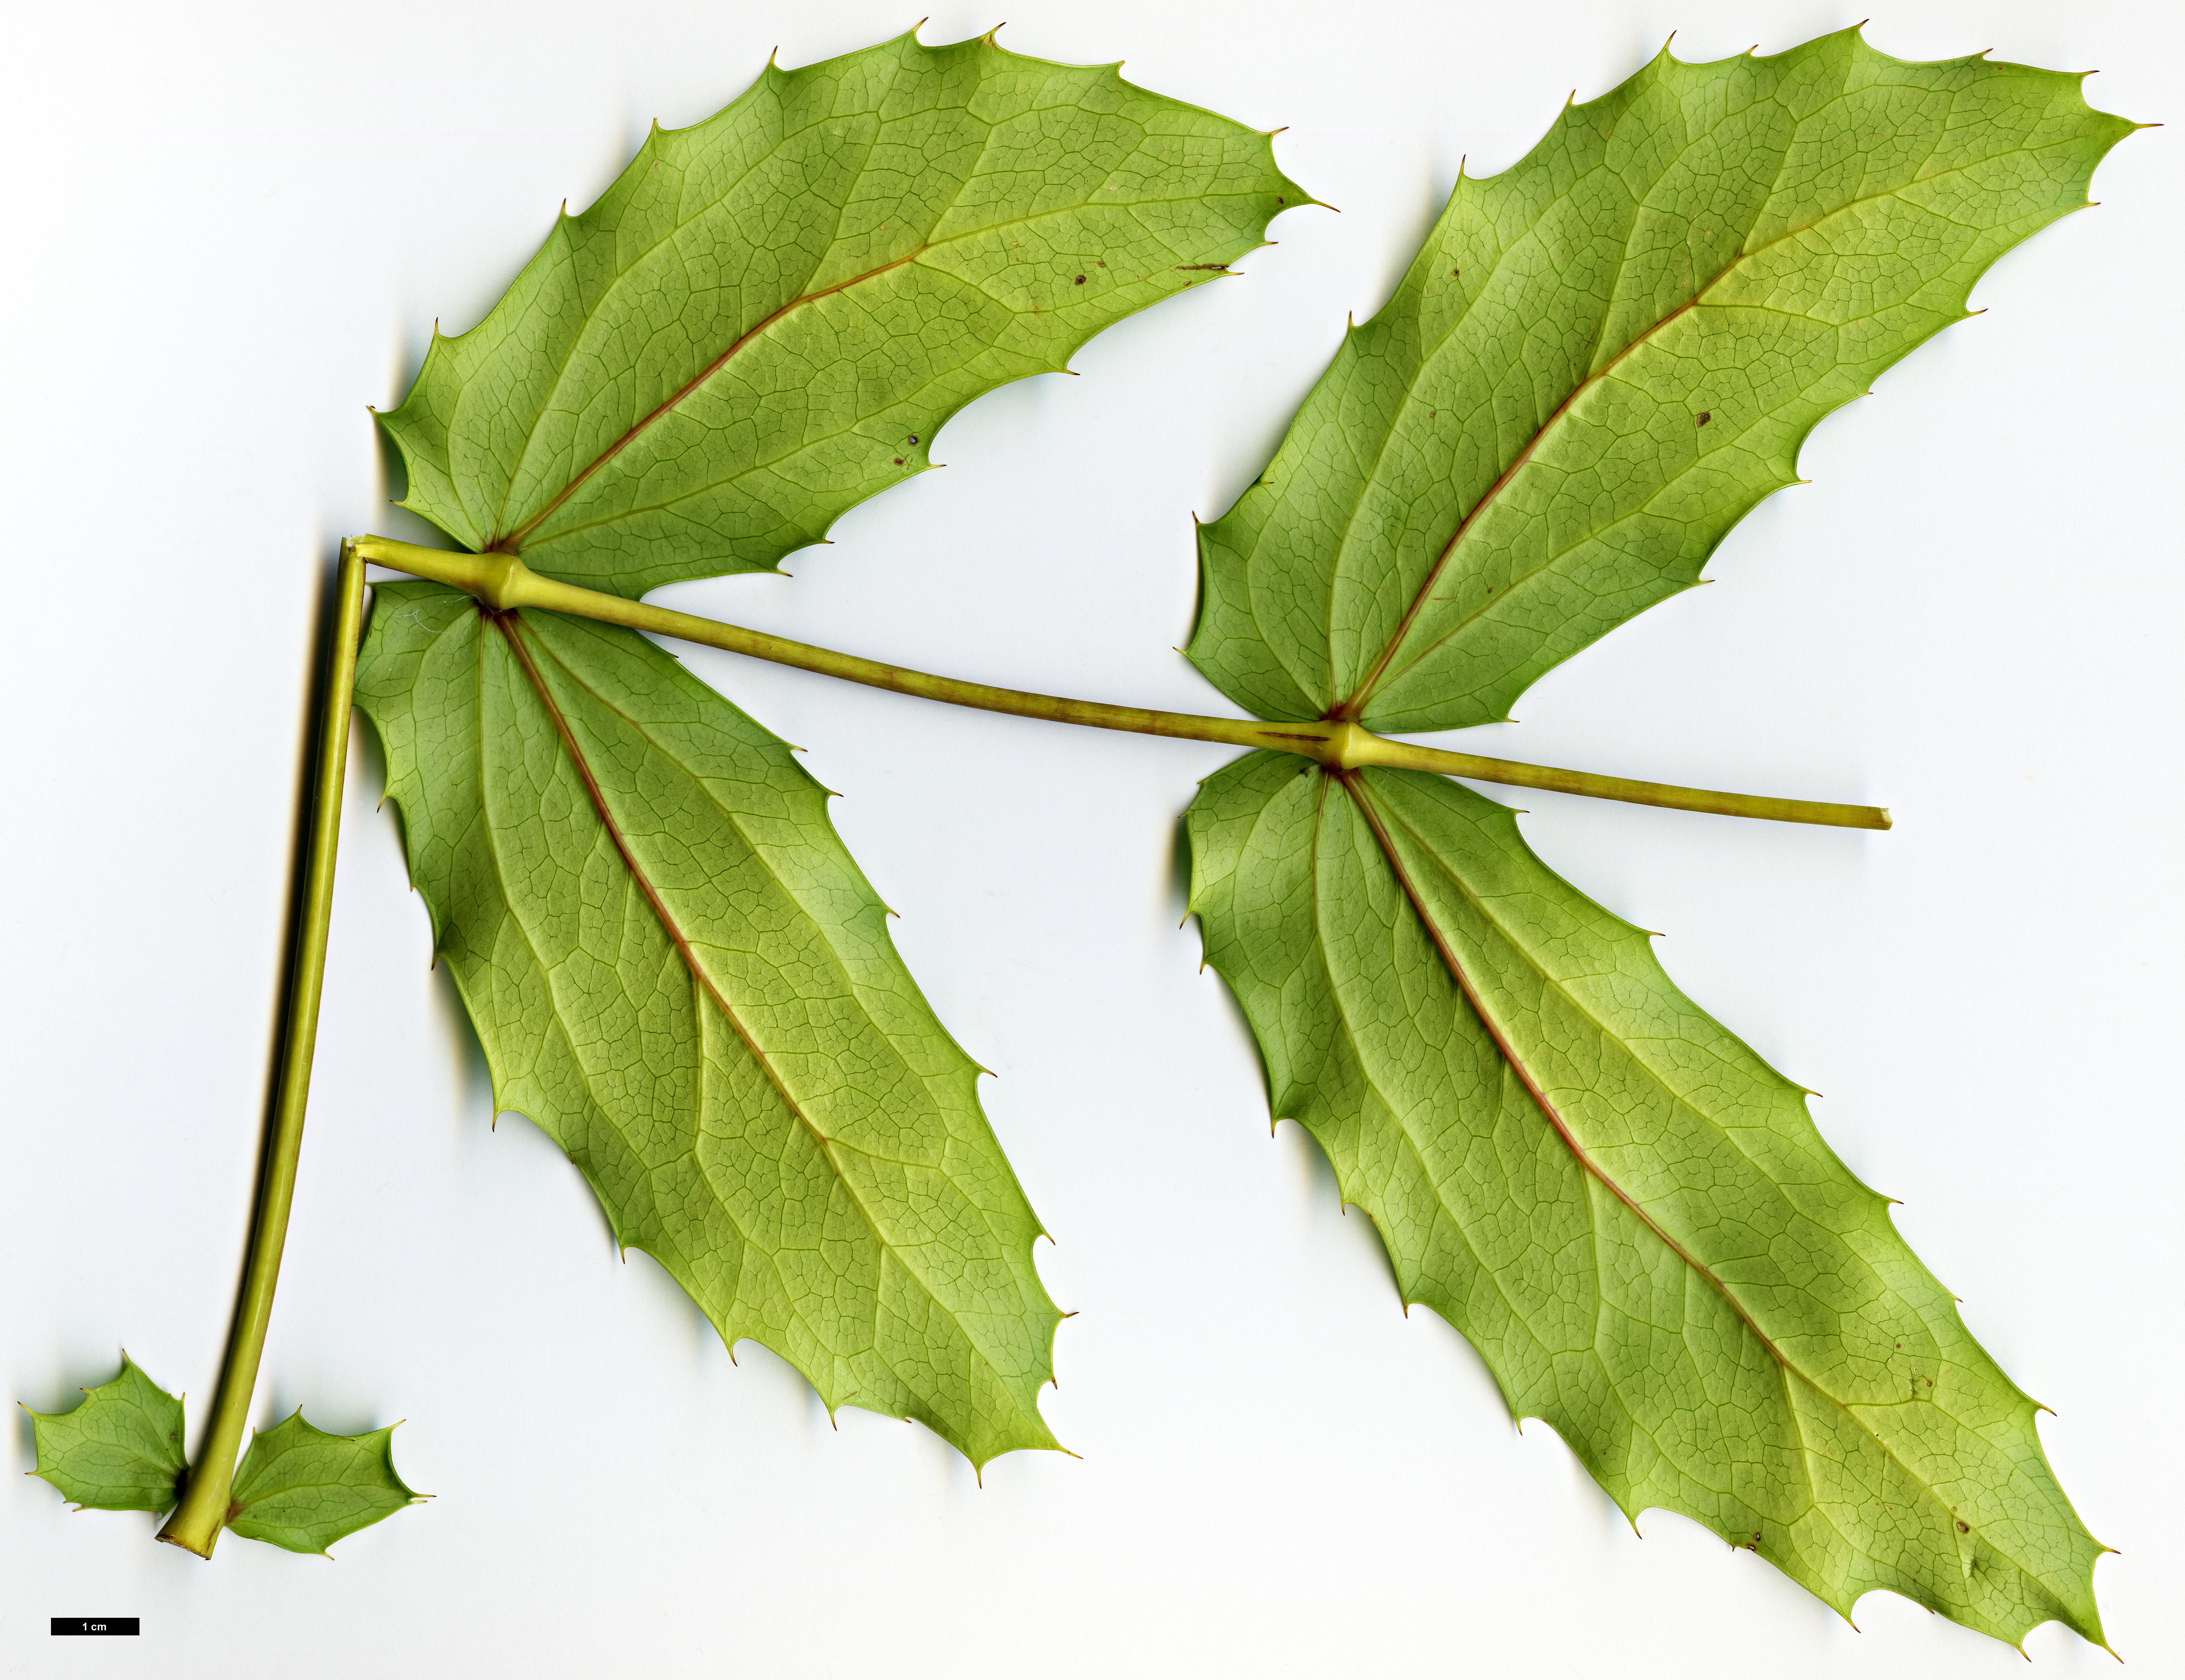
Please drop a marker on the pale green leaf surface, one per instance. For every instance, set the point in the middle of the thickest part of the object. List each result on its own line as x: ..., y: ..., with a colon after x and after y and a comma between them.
x: 679, y: 973
x: 1508, y: 461
x: 1626, y: 1211
x: 302, y: 1489
x: 766, y: 317
x: 120, y: 1449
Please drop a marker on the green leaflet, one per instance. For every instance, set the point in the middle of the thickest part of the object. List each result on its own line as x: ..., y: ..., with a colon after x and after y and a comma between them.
x: 1605, y: 357
x: 765, y: 319
x: 302, y: 1489
x: 702, y: 1005
x: 1624, y: 1209
x: 119, y: 1449
x: 297, y: 1487
x: 676, y: 969
x: 1601, y: 361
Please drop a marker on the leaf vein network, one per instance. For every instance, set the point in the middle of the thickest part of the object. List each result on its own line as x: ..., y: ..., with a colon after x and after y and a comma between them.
x: 1381, y: 672
x: 510, y: 629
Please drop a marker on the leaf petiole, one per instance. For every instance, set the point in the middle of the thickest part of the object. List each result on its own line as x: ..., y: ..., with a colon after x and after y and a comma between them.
x: 197, y: 1521
x: 505, y: 583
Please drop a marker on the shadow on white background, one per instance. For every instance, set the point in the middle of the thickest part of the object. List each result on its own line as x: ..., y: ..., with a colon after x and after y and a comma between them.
x: 233, y: 226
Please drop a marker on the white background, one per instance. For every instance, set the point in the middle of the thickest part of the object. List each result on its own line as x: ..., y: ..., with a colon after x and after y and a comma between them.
x: 231, y: 226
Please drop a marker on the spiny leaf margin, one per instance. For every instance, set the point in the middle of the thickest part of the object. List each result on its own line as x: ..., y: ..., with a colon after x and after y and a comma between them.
x: 119, y: 1448
x: 659, y: 997
x: 1625, y: 1210
x: 301, y: 1488
x: 731, y: 347
x: 1552, y: 425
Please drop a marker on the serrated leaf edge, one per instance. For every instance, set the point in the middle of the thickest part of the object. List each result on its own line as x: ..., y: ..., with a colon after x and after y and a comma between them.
x: 181, y: 1473
x: 773, y: 75
x: 411, y: 1496
x: 1027, y: 1407
x: 1352, y: 784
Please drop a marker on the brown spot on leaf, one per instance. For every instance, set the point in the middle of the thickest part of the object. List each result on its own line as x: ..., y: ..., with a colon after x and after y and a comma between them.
x: 1965, y: 1528
x: 898, y: 461
x: 1701, y: 419
x: 1079, y: 281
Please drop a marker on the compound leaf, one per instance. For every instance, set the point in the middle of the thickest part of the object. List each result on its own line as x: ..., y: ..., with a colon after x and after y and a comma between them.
x: 120, y: 1449
x: 1603, y: 357
x: 302, y: 1489
x: 677, y: 971
x: 765, y: 319
x: 1602, y: 360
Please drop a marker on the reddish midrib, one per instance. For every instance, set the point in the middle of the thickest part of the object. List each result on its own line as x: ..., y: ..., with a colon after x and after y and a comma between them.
x: 1351, y: 784
x: 1355, y: 704
x: 514, y: 540
x: 1351, y: 707
x: 507, y: 624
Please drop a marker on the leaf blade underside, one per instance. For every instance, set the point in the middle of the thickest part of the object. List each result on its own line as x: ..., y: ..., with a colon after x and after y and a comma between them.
x: 302, y: 1489
x: 1628, y: 1214
x: 1599, y: 362
x: 678, y: 973
x: 768, y: 315
x: 1603, y: 357
x: 119, y: 1448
